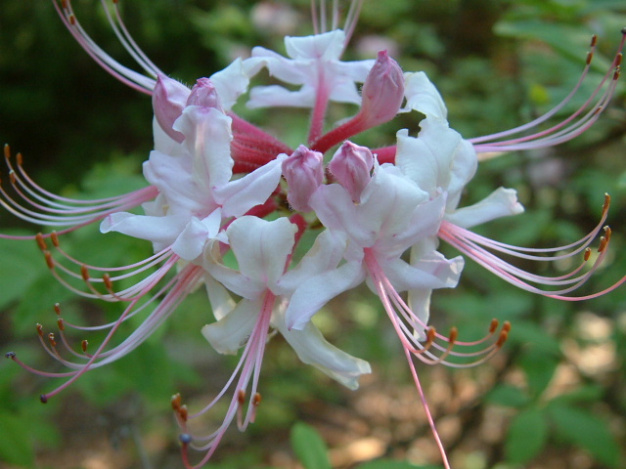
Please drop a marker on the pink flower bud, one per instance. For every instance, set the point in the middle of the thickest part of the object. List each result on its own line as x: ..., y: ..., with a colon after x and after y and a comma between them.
x: 383, y: 91
x: 204, y: 94
x: 351, y: 166
x: 168, y: 101
x: 304, y: 172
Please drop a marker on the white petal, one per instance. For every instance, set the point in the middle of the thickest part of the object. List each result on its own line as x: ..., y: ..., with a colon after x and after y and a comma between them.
x: 317, y: 291
x: 500, y: 203
x: 162, y: 231
x: 326, y: 46
x: 262, y: 247
x: 190, y: 244
x: 231, y: 332
x: 239, y: 196
x: 423, y: 96
x: 234, y: 80
x: 221, y: 301
x: 433, y: 271
x: 313, y: 349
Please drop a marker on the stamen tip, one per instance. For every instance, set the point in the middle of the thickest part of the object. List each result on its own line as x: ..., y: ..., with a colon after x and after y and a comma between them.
x: 185, y: 438
x: 10, y: 355
x: 494, y: 325
x: 43, y: 398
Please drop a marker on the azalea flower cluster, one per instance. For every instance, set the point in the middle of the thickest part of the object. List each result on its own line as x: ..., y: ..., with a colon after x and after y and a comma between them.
x: 219, y: 187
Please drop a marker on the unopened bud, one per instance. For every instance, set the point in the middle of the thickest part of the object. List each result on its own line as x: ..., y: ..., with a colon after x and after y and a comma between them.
x: 383, y: 91
x: 304, y: 172
x: 168, y: 101
x: 204, y: 94
x: 351, y: 166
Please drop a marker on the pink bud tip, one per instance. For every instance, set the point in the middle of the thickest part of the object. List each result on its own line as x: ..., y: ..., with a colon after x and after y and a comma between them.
x: 383, y: 90
x: 351, y: 166
x: 304, y: 172
x: 168, y: 100
x: 204, y: 94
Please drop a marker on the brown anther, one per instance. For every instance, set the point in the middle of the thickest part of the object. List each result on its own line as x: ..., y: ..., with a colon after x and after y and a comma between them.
x: 603, y: 243
x: 177, y: 400
x: 502, y: 339
x: 608, y: 232
x: 84, y: 272
x: 115, y: 1
x: 57, y: 308
x: 493, y: 326
x: 61, y: 324
x: 54, y: 237
x: 83, y: 345
x: 241, y: 397
x: 19, y: 159
x: 53, y: 343
x: 41, y: 242
x: 64, y: 4
x: 7, y: 151
x: 431, y: 334
x: 607, y: 202
x: 106, y: 278
x: 43, y: 398
x: 594, y: 40
x: 49, y: 260
x: 587, y: 254
x: 506, y: 327
x: 39, y: 329
x: 618, y: 72
x: 618, y: 59
x: 183, y: 413
x: 257, y: 399
x: 72, y: 20
x: 12, y: 177
x: 454, y: 334
x: 589, y: 57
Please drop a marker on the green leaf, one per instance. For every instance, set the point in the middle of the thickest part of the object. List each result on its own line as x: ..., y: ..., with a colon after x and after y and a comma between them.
x: 527, y: 435
x: 309, y: 447
x: 587, y: 431
x: 508, y: 396
x: 539, y: 368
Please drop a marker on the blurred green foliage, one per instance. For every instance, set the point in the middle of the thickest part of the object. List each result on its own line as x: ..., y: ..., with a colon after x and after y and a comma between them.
x: 498, y: 64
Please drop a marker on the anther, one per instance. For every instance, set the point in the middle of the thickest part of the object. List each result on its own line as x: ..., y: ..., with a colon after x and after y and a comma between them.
x: 106, y: 278
x: 72, y: 20
x: 618, y: 59
x: 49, y: 260
x: 7, y: 151
x: 57, y: 308
x: 84, y: 345
x: 594, y: 40
x: 607, y: 201
x: 41, y: 242
x: 502, y: 339
x: 506, y: 327
x: 84, y: 272
x: 454, y: 333
x: 12, y: 177
x: 431, y: 334
x: 177, y: 400
x: 603, y: 243
x: 183, y: 413
x: 241, y: 397
x: 257, y: 399
x: 587, y: 254
x: 494, y: 325
x: 43, y: 398
x: 19, y: 159
x: 10, y: 355
x: 55, y: 239
x: 61, y: 324
x: 39, y: 329
x: 185, y: 438
x: 624, y: 31
x: 589, y: 57
x: 618, y: 71
x: 53, y: 342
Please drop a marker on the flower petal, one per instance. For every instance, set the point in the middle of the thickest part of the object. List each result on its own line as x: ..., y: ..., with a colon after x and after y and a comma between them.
x: 231, y: 332
x: 500, y: 203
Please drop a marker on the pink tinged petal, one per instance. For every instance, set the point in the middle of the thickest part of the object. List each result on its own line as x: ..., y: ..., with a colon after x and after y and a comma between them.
x: 432, y: 271
x: 324, y: 255
x: 310, y: 297
x: 500, y: 203
x: 204, y: 94
x: 351, y: 166
x: 190, y: 243
x: 262, y: 247
x: 231, y: 332
x: 326, y: 46
x: 162, y: 231
x: 239, y: 196
x: 438, y: 159
x: 168, y: 100
x: 164, y: 143
x: 418, y: 301
x: 234, y: 80
x: 221, y: 301
x: 422, y: 96
x: 304, y: 172
x: 313, y: 349
x: 383, y: 91
x: 207, y: 139
x: 235, y: 281
x: 277, y: 96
